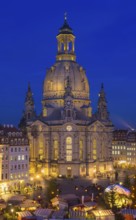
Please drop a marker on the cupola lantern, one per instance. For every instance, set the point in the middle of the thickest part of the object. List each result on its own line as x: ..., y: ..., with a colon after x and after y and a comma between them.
x: 66, y: 42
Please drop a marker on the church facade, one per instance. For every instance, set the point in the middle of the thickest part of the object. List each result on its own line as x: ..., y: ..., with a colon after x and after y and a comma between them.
x: 67, y: 139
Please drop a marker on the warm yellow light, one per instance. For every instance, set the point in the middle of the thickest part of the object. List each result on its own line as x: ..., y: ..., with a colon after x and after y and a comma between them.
x: 37, y: 176
x: 100, y: 212
x: 42, y: 171
x: 122, y: 161
x: 12, y: 210
x: 21, y: 181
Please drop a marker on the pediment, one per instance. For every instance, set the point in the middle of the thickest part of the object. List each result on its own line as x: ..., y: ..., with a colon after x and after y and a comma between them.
x: 97, y: 126
x: 39, y: 125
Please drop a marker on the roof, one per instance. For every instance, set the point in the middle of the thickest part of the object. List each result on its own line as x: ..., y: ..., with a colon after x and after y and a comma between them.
x: 29, y: 203
x: 68, y: 196
x: 24, y: 214
x: 8, y: 128
x: 58, y: 214
x: 43, y: 212
x: 119, y: 189
x: 128, y: 212
x: 65, y: 29
x: 57, y: 115
x: 17, y: 198
x: 98, y: 213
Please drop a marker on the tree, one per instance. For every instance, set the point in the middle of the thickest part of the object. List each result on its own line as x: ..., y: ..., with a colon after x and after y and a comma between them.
x: 110, y: 199
x: 22, y: 125
x: 133, y: 191
x: 127, y: 182
x: 116, y: 200
x: 52, y: 189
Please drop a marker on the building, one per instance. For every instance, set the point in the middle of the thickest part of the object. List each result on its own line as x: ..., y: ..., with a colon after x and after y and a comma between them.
x: 119, y: 144
x: 124, y: 147
x: 131, y: 147
x: 14, y: 154
x: 67, y: 139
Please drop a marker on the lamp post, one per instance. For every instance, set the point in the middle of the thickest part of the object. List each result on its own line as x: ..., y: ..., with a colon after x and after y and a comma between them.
x: 12, y: 211
x: 99, y: 214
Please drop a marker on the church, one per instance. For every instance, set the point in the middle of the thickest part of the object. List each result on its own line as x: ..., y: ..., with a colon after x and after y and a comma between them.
x: 67, y: 139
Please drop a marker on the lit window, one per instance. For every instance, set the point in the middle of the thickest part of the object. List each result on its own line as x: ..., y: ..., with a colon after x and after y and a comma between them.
x: 23, y: 157
x: 19, y: 157
x: 68, y: 149
x: 94, y: 149
x: 81, y: 149
x: 11, y: 176
x: 55, y: 150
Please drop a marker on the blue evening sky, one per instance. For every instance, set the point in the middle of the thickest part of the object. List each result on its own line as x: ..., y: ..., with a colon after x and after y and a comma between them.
x: 105, y: 46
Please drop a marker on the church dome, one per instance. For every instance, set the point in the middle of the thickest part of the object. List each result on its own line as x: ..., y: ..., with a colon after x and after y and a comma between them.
x: 55, y: 80
x: 65, y: 66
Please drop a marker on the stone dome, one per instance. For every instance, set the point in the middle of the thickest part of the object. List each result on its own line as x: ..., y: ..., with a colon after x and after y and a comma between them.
x: 55, y: 80
x: 66, y: 66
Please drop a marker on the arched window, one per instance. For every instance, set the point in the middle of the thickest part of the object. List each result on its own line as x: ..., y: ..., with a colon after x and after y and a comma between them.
x: 68, y: 149
x: 55, y: 150
x: 94, y: 149
x: 44, y: 112
x: 41, y: 153
x: 81, y: 150
x: 68, y: 113
x: 51, y: 85
x: 48, y: 85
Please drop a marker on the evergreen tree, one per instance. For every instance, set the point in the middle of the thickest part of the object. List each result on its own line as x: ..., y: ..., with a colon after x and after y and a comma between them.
x: 133, y: 191
x: 52, y: 190
x: 22, y: 125
x: 127, y: 182
x: 110, y: 199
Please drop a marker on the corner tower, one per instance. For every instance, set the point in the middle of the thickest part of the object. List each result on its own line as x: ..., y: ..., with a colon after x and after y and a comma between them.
x: 29, y: 113
x: 102, y: 112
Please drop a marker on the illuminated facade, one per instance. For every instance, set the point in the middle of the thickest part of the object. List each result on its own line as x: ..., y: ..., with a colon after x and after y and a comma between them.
x: 67, y: 139
x: 14, y: 154
x: 124, y: 147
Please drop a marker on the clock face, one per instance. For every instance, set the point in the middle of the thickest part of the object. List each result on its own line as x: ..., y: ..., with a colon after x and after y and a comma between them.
x: 69, y: 128
x: 68, y: 102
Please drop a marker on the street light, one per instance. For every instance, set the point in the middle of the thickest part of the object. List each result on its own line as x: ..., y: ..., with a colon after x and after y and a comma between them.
x: 12, y: 210
x: 100, y: 214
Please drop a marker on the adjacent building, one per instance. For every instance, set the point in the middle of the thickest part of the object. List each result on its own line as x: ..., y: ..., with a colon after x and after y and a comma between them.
x: 124, y: 146
x: 67, y: 139
x: 14, y: 154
